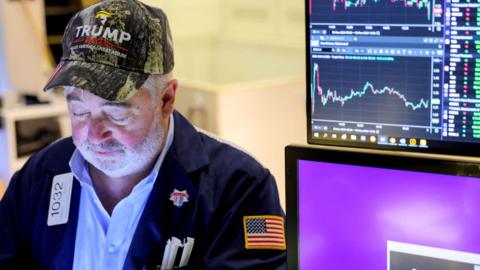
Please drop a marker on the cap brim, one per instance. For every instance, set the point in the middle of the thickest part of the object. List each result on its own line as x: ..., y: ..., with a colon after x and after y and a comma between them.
x: 110, y: 83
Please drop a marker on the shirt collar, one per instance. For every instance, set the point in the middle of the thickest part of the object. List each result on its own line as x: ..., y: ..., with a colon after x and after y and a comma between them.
x: 79, y: 168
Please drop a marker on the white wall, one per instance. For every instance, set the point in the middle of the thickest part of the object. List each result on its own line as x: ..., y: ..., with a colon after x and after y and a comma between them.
x: 190, y: 19
x: 22, y: 25
x: 4, y: 76
x: 267, y: 22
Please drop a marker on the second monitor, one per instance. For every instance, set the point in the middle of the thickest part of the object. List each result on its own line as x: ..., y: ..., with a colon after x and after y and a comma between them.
x: 356, y: 210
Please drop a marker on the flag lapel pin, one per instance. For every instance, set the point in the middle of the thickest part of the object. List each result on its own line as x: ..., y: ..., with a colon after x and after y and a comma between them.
x: 179, y: 197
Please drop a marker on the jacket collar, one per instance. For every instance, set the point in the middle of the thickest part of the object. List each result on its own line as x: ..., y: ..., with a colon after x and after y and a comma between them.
x: 188, y: 147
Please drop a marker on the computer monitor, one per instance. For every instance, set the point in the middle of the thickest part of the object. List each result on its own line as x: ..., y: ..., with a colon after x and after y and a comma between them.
x: 394, y: 74
x: 372, y: 211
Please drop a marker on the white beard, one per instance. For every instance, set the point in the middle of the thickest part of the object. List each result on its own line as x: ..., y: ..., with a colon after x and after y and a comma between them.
x: 128, y: 161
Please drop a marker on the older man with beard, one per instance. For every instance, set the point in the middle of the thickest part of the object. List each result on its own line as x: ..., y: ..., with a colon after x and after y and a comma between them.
x: 136, y: 186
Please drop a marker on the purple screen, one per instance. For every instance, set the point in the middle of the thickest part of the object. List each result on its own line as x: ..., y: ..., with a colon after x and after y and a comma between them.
x: 348, y: 213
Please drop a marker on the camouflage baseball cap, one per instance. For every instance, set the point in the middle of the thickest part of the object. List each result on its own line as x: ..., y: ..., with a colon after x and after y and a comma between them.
x: 110, y: 49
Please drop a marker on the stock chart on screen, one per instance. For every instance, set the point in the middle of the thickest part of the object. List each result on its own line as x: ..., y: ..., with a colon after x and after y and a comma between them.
x: 400, y: 74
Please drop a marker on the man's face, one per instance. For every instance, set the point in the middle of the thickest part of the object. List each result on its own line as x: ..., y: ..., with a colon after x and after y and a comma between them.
x: 117, y: 138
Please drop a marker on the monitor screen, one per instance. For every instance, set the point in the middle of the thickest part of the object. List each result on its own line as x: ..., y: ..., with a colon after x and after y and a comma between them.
x: 348, y: 210
x: 395, y: 74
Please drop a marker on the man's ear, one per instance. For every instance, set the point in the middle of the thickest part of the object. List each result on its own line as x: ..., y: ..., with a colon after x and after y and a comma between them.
x: 168, y: 98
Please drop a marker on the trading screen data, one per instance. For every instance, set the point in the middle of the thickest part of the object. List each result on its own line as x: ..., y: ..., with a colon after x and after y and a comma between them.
x: 394, y: 73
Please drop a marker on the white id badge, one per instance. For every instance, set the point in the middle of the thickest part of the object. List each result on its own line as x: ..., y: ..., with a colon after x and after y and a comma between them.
x: 60, y: 196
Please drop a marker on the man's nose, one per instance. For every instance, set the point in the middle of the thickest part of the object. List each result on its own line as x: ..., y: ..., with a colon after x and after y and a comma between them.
x: 98, y: 132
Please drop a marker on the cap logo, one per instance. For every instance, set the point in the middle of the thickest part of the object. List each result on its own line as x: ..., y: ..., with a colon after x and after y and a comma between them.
x: 104, y: 32
x: 95, y: 31
x: 103, y: 16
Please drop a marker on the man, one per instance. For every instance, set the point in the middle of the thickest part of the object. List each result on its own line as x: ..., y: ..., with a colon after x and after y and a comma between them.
x: 136, y: 187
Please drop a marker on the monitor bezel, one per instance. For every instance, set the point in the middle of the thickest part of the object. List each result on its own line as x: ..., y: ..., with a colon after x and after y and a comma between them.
x: 434, y: 146
x: 439, y: 164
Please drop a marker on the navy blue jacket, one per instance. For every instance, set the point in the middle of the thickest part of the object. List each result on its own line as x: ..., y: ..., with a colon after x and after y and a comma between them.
x: 224, y: 184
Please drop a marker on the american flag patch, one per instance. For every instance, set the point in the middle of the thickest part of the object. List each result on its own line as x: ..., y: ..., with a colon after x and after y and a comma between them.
x: 264, y: 232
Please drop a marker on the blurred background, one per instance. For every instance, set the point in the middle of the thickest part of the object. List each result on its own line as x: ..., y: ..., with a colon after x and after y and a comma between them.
x: 240, y: 65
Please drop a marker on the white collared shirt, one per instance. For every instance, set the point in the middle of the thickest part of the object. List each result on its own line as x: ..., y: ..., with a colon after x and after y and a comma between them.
x: 103, y: 241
